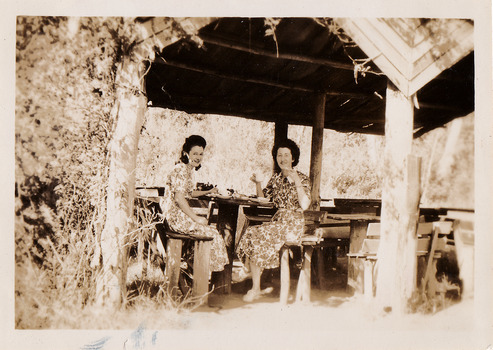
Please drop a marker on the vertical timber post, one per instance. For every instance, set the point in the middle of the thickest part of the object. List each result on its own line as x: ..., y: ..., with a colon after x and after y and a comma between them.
x: 400, y: 200
x: 316, y: 151
x: 280, y: 130
x: 280, y: 133
x: 315, y: 178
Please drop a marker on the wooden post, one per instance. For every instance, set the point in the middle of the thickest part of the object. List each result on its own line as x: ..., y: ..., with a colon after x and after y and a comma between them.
x: 400, y: 201
x: 316, y: 169
x: 201, y: 260
x: 280, y: 131
x: 316, y: 152
x: 172, y: 273
x: 285, y: 278
x: 356, y: 266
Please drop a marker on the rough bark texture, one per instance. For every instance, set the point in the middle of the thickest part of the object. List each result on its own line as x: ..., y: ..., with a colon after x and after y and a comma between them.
x: 121, y: 184
x: 400, y: 199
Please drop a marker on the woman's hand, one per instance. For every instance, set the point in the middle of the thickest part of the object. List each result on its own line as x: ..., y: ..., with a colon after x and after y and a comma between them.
x: 253, y: 178
x: 258, y: 185
x: 292, y: 175
x: 213, y: 190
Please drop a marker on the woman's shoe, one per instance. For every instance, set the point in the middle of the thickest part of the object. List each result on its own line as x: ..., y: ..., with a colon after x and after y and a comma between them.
x: 241, y: 275
x: 253, y: 295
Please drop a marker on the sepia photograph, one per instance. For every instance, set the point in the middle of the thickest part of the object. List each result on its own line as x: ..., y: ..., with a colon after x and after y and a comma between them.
x: 259, y: 179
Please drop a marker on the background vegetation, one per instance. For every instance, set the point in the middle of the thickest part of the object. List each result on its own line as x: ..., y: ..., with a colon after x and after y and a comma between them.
x: 65, y: 83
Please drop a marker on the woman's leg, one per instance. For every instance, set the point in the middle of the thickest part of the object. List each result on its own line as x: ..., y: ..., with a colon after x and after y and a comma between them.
x: 256, y: 292
x: 256, y: 274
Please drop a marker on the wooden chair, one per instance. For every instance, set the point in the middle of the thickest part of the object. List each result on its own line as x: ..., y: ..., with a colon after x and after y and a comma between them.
x: 319, y: 232
x: 431, y: 241
x: 200, y: 265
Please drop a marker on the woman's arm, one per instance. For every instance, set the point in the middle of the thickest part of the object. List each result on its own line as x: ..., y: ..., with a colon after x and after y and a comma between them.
x: 198, y: 193
x: 183, y: 204
x: 300, y: 190
x: 258, y: 185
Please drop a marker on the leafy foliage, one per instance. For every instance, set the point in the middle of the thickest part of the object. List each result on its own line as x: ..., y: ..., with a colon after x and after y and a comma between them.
x: 64, y: 120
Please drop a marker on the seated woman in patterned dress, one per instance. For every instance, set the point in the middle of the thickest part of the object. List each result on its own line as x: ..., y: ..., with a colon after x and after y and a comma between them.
x: 180, y: 186
x: 289, y: 190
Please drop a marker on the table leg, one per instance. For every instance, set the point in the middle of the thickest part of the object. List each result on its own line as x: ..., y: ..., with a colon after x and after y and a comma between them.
x: 355, y: 266
x: 227, y: 220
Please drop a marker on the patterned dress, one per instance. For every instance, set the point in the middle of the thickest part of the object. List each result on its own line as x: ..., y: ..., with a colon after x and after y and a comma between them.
x: 181, y: 180
x: 261, y: 243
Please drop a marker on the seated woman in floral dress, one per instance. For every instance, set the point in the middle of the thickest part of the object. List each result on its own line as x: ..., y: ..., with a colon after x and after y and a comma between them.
x: 180, y: 186
x: 289, y: 190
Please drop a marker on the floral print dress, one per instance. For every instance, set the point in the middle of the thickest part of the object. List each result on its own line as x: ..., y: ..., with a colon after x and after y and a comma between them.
x: 181, y: 180
x: 261, y: 243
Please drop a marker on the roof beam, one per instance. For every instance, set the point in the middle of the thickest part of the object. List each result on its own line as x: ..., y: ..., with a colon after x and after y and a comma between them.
x: 208, y: 71
x: 286, y: 56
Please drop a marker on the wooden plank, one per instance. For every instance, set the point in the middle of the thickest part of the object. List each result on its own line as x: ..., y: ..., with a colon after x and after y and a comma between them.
x: 364, y: 41
x: 429, y: 278
x: 173, y: 265
x: 230, y: 43
x: 387, y: 42
x: 399, y: 48
x: 316, y: 151
x: 314, y: 215
x: 405, y: 28
x: 321, y: 256
x: 373, y: 230
x: 201, y: 263
x: 355, y: 266
x: 438, y: 35
x: 409, y: 77
x: 463, y: 48
x: 285, y: 279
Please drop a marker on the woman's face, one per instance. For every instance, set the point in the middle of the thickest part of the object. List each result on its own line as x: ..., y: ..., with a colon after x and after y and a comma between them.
x: 284, y: 158
x: 195, y: 156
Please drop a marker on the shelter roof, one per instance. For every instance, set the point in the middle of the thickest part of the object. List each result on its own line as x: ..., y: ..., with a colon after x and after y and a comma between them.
x: 244, y: 69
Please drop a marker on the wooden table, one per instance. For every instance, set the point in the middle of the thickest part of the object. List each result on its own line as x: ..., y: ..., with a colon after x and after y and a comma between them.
x: 358, y: 227
x: 227, y: 216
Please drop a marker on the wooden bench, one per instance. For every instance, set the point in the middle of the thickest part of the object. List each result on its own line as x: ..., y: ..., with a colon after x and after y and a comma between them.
x: 319, y: 232
x: 431, y: 240
x: 201, y: 257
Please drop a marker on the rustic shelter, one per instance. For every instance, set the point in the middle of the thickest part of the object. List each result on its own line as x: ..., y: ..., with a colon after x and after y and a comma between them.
x: 395, y: 77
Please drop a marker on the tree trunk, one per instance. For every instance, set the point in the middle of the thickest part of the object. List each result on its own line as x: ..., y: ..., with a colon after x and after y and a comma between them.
x: 111, y: 285
x: 396, y: 275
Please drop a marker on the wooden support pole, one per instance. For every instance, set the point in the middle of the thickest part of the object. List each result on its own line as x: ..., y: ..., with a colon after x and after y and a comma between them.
x: 356, y: 266
x: 400, y: 200
x: 172, y: 272
x: 201, y: 259
x: 280, y: 131
x: 285, y: 278
x: 316, y: 152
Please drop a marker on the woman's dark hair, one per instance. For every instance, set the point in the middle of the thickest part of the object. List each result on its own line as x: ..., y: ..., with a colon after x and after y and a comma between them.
x: 293, y: 147
x: 190, y: 142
